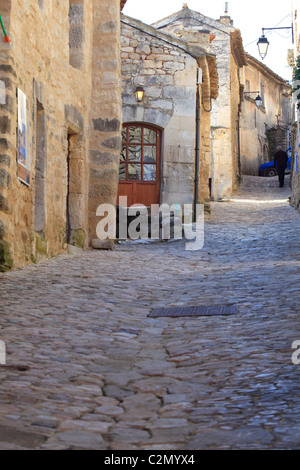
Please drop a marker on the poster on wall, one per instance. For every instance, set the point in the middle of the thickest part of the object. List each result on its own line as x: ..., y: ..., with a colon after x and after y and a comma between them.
x: 23, y: 150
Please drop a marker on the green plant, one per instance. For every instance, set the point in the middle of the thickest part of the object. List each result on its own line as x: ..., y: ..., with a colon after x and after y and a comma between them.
x: 296, y: 81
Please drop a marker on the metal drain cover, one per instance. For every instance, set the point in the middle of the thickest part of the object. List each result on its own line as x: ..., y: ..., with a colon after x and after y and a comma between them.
x: 177, y: 312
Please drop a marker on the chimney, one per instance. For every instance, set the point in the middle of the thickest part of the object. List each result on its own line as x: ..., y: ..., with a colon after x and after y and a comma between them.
x: 185, y: 6
x: 226, y: 18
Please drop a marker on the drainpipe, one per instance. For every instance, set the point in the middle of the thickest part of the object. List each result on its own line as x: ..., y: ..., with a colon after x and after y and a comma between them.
x: 239, y: 145
x: 197, y: 159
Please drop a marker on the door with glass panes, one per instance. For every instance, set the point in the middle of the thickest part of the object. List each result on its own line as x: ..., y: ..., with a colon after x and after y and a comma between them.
x: 139, y: 174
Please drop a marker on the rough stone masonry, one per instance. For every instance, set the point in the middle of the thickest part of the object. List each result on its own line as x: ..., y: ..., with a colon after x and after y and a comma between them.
x: 64, y: 58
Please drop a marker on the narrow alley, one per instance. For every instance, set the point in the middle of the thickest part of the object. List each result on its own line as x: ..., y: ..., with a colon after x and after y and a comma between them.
x: 88, y: 368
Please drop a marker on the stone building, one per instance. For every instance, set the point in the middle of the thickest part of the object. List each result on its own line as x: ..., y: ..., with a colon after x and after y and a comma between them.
x: 60, y: 124
x: 158, y: 161
x: 225, y: 42
x: 295, y: 176
x: 263, y: 129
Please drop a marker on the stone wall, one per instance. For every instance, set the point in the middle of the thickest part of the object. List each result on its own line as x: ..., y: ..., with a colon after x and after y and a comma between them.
x: 168, y: 74
x: 106, y: 109
x: 295, y: 179
x: 221, y: 121
x: 235, y: 124
x: 277, y: 137
x: 265, y: 128
x: 58, y: 54
x: 295, y: 201
x: 216, y: 37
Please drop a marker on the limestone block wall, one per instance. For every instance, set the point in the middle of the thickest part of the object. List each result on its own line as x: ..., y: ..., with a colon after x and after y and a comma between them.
x: 168, y: 75
x: 64, y: 56
x: 215, y: 36
x: 222, y: 120
x: 37, y: 62
x: 106, y: 109
x: 235, y: 124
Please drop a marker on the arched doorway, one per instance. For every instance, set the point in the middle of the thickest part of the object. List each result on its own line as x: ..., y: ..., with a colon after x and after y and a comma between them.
x: 139, y: 174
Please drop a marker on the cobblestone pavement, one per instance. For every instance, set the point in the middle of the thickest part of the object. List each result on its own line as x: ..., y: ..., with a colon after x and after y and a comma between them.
x: 88, y: 369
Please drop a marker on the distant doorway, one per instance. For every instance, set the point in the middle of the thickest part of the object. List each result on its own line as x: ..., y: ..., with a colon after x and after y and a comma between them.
x: 75, y: 190
x: 139, y: 174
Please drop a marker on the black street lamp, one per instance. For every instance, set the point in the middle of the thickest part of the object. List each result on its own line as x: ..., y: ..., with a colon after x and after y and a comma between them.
x: 263, y: 42
x: 258, y: 99
x: 263, y: 45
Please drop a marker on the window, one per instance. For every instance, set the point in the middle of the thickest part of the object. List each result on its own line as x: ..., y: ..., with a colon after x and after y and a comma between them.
x: 76, y: 34
x: 139, y: 156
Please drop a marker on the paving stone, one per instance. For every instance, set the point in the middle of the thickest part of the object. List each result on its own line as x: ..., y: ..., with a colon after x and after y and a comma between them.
x: 81, y: 440
x: 20, y: 437
x: 87, y: 368
x: 127, y: 434
x: 244, y: 437
x: 90, y: 426
x: 109, y: 410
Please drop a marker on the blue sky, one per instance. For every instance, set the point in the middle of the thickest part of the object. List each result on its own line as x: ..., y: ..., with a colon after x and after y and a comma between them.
x: 249, y: 17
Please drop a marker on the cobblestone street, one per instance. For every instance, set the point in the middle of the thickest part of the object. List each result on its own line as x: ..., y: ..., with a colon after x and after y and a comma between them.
x: 87, y: 368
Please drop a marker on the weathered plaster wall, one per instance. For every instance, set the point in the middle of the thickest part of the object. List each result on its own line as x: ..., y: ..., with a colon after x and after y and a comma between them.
x: 262, y: 129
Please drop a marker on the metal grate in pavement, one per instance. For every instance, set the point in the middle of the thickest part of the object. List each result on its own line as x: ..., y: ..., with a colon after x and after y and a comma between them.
x: 177, y: 312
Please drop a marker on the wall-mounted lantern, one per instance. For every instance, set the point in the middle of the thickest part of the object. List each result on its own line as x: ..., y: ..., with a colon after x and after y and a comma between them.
x: 258, y: 99
x: 263, y: 42
x: 263, y: 45
x: 139, y: 94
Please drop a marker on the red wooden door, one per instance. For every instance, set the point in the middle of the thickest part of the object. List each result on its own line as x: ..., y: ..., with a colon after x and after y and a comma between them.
x: 139, y: 174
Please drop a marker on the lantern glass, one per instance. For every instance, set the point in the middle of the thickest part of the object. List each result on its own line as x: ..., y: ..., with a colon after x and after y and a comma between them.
x: 258, y: 101
x: 263, y: 45
x: 139, y: 94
